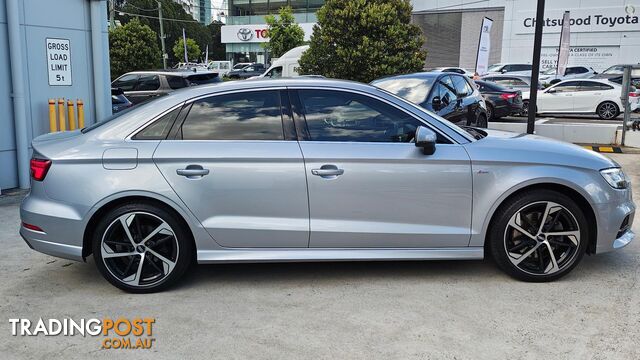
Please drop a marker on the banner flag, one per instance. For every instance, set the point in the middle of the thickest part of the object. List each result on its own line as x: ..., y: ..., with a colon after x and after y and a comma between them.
x: 565, y: 39
x: 484, y: 46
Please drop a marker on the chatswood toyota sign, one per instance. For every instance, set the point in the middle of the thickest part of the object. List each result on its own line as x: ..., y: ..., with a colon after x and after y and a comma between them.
x: 602, y: 19
x: 254, y: 33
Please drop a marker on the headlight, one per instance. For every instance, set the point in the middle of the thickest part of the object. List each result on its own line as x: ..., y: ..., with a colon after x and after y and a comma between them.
x: 615, y: 177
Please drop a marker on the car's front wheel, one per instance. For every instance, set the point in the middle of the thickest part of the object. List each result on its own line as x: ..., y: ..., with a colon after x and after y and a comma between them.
x: 141, y: 248
x: 538, y: 236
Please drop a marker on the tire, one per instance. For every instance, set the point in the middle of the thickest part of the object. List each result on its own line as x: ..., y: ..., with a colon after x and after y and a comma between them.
x: 490, y: 113
x: 166, y: 254
x: 481, y: 121
x: 608, y: 110
x: 525, y: 108
x: 528, y: 257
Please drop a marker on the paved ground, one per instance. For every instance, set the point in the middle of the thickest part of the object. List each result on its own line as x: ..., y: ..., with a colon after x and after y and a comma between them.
x: 421, y: 310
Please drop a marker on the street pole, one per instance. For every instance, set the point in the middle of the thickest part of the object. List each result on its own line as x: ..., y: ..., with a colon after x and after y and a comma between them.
x: 535, y: 67
x: 112, y: 10
x: 164, y: 51
x: 626, y: 83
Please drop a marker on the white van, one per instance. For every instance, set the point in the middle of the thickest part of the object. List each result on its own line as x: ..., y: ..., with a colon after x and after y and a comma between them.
x: 220, y: 66
x: 286, y: 65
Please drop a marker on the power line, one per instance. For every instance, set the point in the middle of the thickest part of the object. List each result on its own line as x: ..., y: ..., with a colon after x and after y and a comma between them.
x: 139, y: 8
x: 155, y: 17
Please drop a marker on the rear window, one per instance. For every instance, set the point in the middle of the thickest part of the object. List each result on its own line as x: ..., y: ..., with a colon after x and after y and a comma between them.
x: 201, y: 79
x: 415, y: 90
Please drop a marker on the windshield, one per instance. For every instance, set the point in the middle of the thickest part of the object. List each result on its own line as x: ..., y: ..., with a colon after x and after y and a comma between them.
x: 494, y: 68
x: 615, y: 69
x: 415, y: 90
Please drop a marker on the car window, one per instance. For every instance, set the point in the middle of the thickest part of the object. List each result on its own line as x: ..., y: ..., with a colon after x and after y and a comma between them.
x: 148, y: 83
x: 569, y: 86
x: 251, y: 115
x: 159, y: 129
x: 274, y: 73
x: 521, y: 67
x: 201, y: 79
x: 593, y: 86
x: 462, y: 87
x: 116, y: 99
x: 126, y: 82
x: 176, y: 82
x: 445, y: 90
x: 343, y: 116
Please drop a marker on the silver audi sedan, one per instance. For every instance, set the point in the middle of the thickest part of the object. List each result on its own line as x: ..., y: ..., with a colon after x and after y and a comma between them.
x: 314, y: 170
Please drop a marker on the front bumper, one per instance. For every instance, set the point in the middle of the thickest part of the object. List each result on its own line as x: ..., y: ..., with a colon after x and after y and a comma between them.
x: 614, y: 228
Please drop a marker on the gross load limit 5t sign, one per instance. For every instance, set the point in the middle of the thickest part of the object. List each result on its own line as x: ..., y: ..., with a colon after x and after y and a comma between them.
x: 59, y: 61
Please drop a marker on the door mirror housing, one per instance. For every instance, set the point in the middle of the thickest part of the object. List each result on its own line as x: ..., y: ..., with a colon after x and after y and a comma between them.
x: 551, y: 90
x: 436, y: 103
x: 503, y: 70
x: 426, y: 139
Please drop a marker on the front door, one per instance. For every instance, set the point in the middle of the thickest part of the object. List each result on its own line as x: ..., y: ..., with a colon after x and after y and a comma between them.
x: 370, y: 186
x: 560, y: 99
x: 237, y: 172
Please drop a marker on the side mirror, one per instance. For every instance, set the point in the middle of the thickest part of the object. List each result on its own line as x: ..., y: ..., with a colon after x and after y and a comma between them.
x: 503, y: 71
x: 551, y: 91
x: 426, y: 139
x: 436, y: 103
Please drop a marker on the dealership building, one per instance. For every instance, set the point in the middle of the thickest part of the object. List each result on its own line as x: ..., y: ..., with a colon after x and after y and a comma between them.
x: 603, y: 33
x: 246, y: 28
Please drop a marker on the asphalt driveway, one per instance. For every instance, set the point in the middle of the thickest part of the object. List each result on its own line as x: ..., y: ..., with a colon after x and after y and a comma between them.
x: 401, y: 310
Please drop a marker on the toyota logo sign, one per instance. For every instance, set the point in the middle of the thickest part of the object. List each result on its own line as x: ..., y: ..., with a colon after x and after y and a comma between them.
x: 245, y: 34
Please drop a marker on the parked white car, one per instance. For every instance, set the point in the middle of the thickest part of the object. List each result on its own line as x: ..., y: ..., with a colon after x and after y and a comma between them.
x: 285, y: 66
x: 549, y: 77
x: 511, y: 68
x: 589, y: 96
x: 222, y: 67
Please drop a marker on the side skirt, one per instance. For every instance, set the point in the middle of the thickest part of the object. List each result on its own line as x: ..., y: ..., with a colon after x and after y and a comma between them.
x: 347, y: 254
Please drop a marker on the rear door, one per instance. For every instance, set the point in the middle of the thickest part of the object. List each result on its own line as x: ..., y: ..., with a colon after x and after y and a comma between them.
x: 235, y: 162
x: 369, y: 185
x: 589, y: 95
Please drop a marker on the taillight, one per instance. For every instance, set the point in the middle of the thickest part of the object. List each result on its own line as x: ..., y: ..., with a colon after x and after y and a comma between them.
x: 507, y: 96
x: 634, y: 94
x: 31, y: 227
x: 39, y: 168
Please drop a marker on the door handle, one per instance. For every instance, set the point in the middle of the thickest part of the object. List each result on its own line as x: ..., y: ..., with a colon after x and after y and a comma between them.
x: 327, y: 171
x: 193, y: 172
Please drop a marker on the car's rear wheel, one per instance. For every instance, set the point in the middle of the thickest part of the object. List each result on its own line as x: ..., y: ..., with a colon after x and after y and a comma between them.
x: 490, y: 114
x: 538, y: 236
x: 141, y: 248
x: 608, y: 110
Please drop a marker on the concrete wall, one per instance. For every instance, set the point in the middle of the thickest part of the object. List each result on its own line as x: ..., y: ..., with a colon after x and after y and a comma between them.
x: 41, y: 19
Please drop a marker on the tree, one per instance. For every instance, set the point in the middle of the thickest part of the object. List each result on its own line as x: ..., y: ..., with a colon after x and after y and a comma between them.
x: 193, y: 50
x: 133, y: 47
x: 284, y: 33
x: 364, y: 40
x: 175, y: 19
x: 217, y: 50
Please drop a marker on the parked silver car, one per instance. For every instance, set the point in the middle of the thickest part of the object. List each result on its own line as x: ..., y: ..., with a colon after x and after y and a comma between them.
x: 314, y: 170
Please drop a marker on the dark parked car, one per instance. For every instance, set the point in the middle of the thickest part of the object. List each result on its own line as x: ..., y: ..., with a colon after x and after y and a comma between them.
x: 254, y: 69
x: 452, y: 96
x: 500, y: 100
x: 119, y: 102
x: 139, y: 86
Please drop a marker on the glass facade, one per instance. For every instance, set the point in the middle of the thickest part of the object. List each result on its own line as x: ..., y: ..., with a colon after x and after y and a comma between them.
x: 246, y: 12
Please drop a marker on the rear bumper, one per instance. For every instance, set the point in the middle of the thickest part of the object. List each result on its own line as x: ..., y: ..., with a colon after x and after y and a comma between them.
x: 61, y: 224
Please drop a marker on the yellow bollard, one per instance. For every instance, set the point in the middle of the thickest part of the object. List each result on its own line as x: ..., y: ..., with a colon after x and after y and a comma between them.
x: 80, y: 113
x: 53, y: 127
x: 61, y: 118
x: 72, y: 115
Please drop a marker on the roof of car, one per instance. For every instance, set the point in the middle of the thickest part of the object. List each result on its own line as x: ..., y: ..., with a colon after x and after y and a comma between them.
x: 173, y: 72
x: 423, y: 75
x: 601, y: 81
